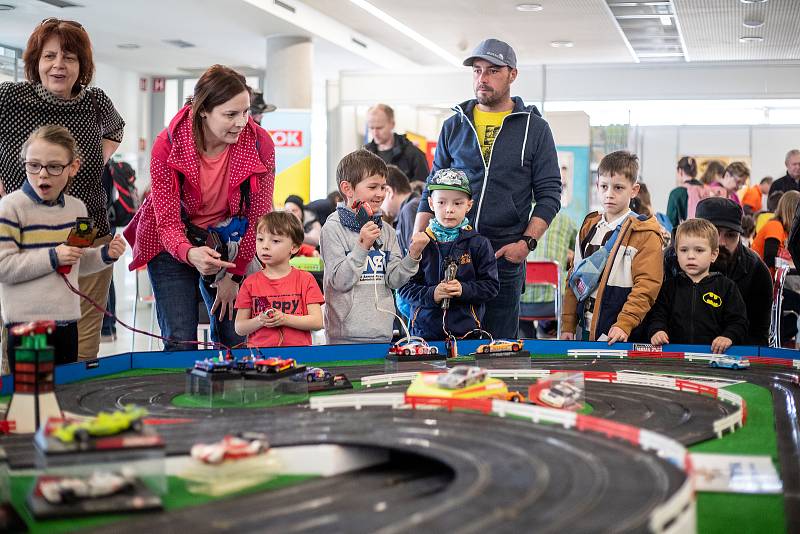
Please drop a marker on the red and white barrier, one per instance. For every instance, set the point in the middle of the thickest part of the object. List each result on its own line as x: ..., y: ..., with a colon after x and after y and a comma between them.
x: 676, y: 515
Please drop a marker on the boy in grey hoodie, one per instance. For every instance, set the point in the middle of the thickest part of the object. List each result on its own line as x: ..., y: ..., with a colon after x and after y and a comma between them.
x: 363, y: 260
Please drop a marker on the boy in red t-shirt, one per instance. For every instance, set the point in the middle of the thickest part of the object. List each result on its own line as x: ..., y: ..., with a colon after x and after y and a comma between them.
x: 279, y: 305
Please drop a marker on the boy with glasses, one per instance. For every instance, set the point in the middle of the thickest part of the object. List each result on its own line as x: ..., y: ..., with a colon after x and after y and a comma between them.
x: 35, y: 222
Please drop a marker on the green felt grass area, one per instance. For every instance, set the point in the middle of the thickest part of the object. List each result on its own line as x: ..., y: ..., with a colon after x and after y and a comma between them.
x: 136, y: 373
x: 193, y: 401
x: 196, y: 401
x: 177, y: 497
x: 724, y: 513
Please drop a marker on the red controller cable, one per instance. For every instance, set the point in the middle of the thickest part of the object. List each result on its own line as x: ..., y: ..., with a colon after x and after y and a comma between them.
x: 214, y: 344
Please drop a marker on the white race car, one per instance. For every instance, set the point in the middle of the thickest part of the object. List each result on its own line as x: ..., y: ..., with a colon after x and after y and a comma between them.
x: 461, y: 376
x: 560, y: 395
x: 99, y: 484
x: 731, y: 362
x: 228, y: 448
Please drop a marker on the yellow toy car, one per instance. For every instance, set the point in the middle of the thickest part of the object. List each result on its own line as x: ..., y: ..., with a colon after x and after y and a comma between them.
x: 105, y: 424
x: 458, y: 383
x: 501, y: 345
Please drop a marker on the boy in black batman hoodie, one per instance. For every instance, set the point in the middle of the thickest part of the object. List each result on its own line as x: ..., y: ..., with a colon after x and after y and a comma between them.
x: 698, y: 307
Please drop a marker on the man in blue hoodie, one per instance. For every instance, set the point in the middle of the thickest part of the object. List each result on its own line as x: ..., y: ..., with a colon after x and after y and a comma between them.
x: 508, y: 153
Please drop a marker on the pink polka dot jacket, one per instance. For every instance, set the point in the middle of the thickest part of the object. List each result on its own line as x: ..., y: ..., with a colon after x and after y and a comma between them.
x: 157, y: 225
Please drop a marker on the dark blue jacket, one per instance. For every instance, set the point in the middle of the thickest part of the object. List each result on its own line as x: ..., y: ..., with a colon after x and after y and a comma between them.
x: 523, y: 167
x: 477, y: 272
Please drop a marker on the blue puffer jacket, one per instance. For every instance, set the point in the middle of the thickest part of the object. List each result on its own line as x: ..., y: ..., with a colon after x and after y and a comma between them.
x: 477, y: 272
x: 523, y: 167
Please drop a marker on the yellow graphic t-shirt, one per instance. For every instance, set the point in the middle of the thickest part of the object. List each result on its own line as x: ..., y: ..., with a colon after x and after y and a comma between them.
x: 487, y: 123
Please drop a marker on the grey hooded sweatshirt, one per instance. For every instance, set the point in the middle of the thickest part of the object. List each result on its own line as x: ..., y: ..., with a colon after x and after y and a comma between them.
x: 353, y: 277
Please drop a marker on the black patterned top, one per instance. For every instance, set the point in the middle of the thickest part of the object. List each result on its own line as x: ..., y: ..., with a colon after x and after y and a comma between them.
x: 24, y: 107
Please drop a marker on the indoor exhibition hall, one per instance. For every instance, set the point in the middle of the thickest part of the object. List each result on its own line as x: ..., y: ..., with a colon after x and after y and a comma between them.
x: 368, y: 266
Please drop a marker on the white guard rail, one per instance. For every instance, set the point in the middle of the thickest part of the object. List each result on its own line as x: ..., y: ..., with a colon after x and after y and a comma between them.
x: 597, y: 353
x: 675, y: 516
x: 565, y: 418
x: 388, y: 379
x: 401, y: 378
x: 696, y: 357
x: 646, y: 380
x: 678, y: 515
x: 393, y: 400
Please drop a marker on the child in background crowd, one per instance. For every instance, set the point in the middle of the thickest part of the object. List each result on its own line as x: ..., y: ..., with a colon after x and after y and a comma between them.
x: 454, y: 241
x: 770, y: 241
x: 32, y: 220
x: 362, y: 260
x: 697, y: 306
x: 279, y: 305
x: 634, y: 269
x: 755, y: 196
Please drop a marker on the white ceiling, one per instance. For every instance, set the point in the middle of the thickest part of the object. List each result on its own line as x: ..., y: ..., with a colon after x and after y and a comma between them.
x: 233, y: 32
x: 712, y: 29
x: 458, y: 25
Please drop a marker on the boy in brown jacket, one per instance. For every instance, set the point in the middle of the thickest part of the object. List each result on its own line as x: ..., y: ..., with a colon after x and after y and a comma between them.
x: 632, y: 275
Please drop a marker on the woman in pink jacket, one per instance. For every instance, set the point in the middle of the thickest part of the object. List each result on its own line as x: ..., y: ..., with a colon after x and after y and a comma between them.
x: 212, y: 171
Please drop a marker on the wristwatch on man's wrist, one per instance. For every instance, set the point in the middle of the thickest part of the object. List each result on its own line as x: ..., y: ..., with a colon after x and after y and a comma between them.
x: 238, y: 278
x: 530, y: 241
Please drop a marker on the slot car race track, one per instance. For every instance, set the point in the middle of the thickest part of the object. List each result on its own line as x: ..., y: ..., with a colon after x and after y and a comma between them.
x: 456, y: 471
x: 785, y: 400
x: 510, y: 476
x: 683, y: 416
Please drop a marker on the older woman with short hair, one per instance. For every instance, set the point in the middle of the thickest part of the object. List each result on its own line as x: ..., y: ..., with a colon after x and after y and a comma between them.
x: 58, y: 70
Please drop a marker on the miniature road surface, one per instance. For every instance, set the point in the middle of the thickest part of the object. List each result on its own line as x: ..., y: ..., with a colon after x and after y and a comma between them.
x: 683, y: 416
x: 785, y: 399
x: 510, y: 475
x: 472, y: 472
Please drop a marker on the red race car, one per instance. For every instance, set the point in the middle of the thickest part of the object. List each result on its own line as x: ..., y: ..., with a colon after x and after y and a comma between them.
x: 229, y: 448
x: 413, y: 345
x: 35, y: 327
x: 274, y: 364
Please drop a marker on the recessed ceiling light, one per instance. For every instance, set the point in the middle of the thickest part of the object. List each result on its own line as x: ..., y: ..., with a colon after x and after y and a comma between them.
x: 754, y: 1
x: 752, y: 23
x: 529, y: 7
x: 754, y: 39
x: 7, y: 7
x: 562, y: 44
x: 128, y: 46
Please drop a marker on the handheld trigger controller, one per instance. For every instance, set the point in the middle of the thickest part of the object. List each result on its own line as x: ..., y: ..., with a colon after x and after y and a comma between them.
x: 82, y: 235
x: 364, y: 214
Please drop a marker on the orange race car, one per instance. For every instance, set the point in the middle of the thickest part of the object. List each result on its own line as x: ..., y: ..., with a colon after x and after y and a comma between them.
x: 501, y: 345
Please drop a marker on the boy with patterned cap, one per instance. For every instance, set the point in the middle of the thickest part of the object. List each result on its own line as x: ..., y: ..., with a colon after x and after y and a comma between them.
x: 458, y: 271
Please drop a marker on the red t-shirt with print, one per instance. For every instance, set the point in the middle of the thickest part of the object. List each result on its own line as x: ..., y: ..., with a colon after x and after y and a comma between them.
x: 291, y: 294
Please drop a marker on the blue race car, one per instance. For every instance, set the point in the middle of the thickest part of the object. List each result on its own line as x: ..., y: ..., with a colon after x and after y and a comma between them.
x: 313, y: 374
x: 214, y: 365
x: 246, y: 363
x: 730, y: 362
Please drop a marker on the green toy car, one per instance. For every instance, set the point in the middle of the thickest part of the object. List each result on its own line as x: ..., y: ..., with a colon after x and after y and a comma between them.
x: 105, y: 424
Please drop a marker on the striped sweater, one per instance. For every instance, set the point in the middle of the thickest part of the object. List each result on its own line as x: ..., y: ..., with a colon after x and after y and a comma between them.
x: 30, y: 288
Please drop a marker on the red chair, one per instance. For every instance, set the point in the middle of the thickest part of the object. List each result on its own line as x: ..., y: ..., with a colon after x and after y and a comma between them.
x: 545, y: 272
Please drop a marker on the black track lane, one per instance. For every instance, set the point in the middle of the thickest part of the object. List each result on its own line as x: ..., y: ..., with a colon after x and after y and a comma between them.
x: 89, y: 399
x: 509, y: 476
x: 785, y: 399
